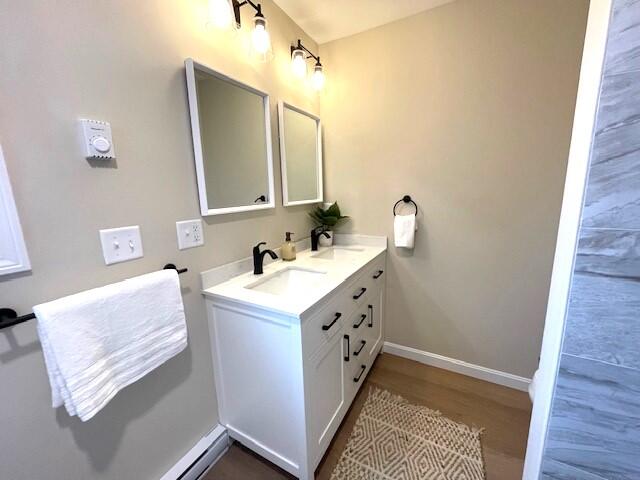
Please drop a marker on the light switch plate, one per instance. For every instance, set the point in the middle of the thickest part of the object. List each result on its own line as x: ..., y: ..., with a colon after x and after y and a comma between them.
x: 190, y: 234
x: 121, y: 244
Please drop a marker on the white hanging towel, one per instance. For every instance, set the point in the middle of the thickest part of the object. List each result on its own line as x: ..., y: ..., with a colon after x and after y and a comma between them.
x: 404, y: 230
x: 97, y: 342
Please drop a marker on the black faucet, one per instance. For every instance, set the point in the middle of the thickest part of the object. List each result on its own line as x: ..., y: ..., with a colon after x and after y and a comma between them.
x: 315, y: 234
x: 258, y: 258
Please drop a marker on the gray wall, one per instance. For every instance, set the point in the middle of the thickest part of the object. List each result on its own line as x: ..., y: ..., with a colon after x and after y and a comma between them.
x: 120, y: 61
x: 467, y: 107
x: 594, y: 430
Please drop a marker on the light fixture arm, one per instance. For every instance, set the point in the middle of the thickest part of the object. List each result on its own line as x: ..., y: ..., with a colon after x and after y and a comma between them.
x: 300, y: 46
x: 236, y: 9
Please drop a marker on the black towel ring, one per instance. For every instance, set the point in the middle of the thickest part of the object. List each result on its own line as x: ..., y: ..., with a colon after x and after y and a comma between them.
x: 405, y: 199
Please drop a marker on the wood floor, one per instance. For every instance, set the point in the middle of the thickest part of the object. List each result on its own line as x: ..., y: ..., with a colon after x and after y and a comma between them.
x: 503, y: 413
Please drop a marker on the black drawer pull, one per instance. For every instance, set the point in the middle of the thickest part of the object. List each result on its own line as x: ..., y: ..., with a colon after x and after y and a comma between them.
x: 370, y: 325
x: 362, y: 344
x: 362, y: 317
x: 377, y: 275
x: 335, y: 319
x: 362, y: 290
x: 346, y: 356
x: 362, y: 369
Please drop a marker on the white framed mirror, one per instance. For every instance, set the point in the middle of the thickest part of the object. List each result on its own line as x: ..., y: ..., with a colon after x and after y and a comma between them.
x: 300, y: 155
x: 231, y: 129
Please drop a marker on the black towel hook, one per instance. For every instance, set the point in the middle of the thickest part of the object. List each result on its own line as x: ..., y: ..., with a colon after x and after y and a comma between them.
x: 405, y: 199
x: 9, y: 317
x: 171, y: 266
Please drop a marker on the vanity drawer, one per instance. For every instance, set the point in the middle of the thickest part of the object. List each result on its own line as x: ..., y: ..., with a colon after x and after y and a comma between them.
x: 377, y: 271
x: 372, y: 278
x: 356, y: 373
x: 360, y: 289
x: 360, y: 349
x: 355, y: 330
x: 320, y: 328
x: 358, y: 322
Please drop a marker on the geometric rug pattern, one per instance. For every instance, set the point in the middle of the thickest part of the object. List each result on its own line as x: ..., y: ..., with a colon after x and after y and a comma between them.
x: 395, y: 440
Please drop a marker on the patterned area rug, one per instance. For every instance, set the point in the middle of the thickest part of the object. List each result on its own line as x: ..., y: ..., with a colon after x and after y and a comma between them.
x: 394, y: 440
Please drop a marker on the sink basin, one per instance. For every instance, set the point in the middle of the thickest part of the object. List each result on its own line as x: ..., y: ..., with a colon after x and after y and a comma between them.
x: 289, y: 281
x: 338, y: 253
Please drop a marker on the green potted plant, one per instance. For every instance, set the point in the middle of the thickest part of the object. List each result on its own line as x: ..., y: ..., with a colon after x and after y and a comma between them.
x: 327, y: 219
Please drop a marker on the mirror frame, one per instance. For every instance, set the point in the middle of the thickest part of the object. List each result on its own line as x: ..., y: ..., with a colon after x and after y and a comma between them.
x: 15, y: 259
x: 205, y: 210
x: 283, y: 155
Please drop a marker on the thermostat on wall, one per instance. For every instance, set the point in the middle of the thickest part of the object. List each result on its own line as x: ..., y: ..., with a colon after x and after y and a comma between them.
x: 98, y: 142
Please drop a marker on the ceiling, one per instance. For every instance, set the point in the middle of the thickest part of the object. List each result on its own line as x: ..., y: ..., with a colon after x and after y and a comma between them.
x: 326, y: 20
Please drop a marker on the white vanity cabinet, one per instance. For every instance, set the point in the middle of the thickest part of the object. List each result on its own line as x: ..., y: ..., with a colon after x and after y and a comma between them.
x: 284, y: 382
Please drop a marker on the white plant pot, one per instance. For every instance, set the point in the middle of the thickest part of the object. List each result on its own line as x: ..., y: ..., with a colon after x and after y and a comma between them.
x: 324, y: 241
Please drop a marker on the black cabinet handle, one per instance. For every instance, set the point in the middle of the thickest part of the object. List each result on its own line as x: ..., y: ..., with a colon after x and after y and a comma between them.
x: 362, y: 369
x: 362, y: 290
x: 335, y: 319
x: 377, y: 275
x: 346, y: 357
x: 362, y: 344
x: 362, y: 317
x: 370, y: 316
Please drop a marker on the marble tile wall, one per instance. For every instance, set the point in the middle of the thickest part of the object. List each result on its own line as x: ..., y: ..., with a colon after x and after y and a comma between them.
x: 613, y: 192
x: 604, y: 306
x: 553, y: 470
x: 596, y: 419
x: 594, y: 430
x: 623, y: 50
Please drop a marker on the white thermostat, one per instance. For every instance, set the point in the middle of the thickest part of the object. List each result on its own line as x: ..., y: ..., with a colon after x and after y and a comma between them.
x: 98, y: 142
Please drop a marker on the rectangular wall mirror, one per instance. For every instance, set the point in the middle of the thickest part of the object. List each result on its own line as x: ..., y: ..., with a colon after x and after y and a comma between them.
x: 300, y: 155
x: 231, y: 142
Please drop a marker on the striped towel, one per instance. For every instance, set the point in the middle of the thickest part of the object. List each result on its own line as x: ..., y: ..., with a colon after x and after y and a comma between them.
x: 97, y: 342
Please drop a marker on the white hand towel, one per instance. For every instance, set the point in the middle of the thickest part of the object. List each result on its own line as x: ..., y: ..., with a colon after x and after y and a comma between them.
x: 97, y: 342
x: 404, y: 230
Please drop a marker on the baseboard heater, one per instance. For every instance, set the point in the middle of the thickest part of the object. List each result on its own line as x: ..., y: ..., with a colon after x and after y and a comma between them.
x: 201, y: 466
x: 199, y: 460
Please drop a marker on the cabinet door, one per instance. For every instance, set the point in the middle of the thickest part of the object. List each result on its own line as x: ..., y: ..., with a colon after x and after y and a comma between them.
x: 326, y: 393
x: 375, y: 316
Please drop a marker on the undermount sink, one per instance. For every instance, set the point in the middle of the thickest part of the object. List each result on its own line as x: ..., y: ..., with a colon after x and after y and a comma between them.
x: 338, y: 253
x: 289, y: 281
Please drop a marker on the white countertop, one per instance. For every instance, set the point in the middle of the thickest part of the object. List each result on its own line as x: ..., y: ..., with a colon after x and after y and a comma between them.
x: 336, y: 272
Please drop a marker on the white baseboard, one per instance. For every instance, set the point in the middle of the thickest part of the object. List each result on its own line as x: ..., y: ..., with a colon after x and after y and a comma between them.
x: 212, y: 446
x: 458, y: 366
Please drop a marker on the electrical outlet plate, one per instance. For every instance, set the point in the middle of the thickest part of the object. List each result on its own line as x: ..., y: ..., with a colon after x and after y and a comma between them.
x: 121, y: 244
x: 190, y: 234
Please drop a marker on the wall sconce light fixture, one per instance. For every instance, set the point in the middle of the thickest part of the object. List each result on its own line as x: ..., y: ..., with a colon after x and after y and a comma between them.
x: 299, y: 56
x: 298, y: 62
x: 221, y: 16
x: 220, y: 13
x: 259, y: 36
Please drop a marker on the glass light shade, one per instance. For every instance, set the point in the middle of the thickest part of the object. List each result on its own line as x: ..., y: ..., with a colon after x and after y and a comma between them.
x: 220, y: 13
x: 260, y: 36
x: 298, y: 63
x: 317, y: 78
